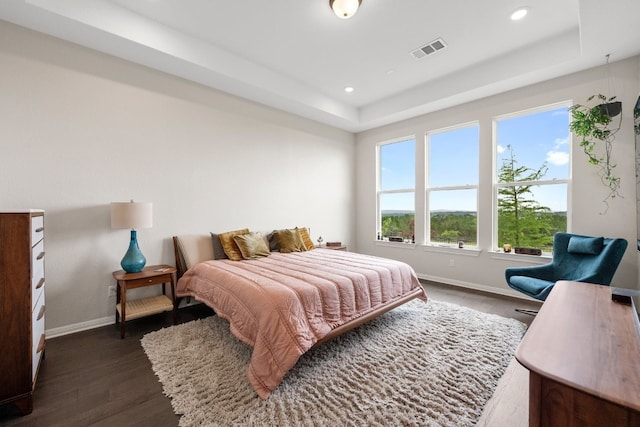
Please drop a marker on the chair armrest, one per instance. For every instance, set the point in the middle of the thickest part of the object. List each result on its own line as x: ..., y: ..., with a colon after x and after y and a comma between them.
x: 544, y: 272
x: 591, y: 277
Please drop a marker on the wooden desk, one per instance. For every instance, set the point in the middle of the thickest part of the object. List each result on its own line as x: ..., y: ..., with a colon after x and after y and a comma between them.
x: 583, y: 354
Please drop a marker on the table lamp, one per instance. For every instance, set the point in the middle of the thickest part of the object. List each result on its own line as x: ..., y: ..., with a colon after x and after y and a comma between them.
x: 132, y: 215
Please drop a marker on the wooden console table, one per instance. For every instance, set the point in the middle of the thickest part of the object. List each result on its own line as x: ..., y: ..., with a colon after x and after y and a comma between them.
x: 583, y: 354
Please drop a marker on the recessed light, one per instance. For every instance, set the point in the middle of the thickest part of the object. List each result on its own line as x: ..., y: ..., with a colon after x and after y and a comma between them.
x: 519, y: 13
x: 348, y: 89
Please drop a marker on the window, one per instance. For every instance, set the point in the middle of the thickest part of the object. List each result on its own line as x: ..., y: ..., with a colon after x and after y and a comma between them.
x: 396, y: 190
x: 532, y: 177
x: 452, y: 185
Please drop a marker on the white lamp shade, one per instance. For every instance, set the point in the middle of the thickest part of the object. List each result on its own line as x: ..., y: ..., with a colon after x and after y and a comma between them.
x: 345, y: 8
x: 131, y: 215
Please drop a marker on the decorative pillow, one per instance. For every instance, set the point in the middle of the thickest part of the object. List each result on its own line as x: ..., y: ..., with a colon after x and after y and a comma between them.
x: 585, y: 245
x: 252, y: 245
x: 289, y: 241
x: 306, y: 238
x: 218, y: 250
x: 229, y: 245
x: 273, y: 242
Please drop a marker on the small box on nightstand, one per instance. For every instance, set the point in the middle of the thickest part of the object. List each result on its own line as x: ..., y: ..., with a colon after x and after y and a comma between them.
x: 338, y: 246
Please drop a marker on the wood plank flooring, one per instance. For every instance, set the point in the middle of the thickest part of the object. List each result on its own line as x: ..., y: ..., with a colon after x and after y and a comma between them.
x: 93, y: 378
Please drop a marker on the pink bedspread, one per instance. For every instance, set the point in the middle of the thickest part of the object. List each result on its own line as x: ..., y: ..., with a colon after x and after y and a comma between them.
x: 283, y: 304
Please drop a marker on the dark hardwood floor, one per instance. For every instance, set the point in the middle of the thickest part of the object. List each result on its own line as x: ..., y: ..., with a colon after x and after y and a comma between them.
x: 93, y: 378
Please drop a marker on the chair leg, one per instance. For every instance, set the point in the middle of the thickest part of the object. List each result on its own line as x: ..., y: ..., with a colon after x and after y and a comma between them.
x: 527, y: 311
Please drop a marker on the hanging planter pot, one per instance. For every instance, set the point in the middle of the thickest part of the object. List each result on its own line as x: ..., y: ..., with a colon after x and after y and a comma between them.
x: 611, y: 109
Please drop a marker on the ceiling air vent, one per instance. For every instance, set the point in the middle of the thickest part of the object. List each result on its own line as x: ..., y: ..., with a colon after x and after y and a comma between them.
x: 429, y: 48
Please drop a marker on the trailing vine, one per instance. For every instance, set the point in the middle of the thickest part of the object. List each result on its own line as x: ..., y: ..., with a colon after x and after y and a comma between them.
x: 593, y: 125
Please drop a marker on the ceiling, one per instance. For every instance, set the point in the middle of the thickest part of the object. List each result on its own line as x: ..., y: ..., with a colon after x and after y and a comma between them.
x: 297, y: 56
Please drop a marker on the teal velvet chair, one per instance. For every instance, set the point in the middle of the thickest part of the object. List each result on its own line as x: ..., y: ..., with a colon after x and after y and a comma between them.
x: 576, y: 258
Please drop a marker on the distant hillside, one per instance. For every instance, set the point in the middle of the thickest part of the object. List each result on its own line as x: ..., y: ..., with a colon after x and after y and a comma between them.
x: 443, y: 212
x: 402, y: 213
x: 454, y: 213
x: 396, y: 213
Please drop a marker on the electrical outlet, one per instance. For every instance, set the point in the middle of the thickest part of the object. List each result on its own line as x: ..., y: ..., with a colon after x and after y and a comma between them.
x: 452, y: 262
x: 111, y: 291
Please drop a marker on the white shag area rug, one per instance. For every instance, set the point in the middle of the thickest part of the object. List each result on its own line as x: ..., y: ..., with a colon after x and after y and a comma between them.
x: 422, y: 364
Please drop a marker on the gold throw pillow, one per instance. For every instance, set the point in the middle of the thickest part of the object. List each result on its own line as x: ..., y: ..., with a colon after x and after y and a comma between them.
x: 229, y: 245
x: 252, y: 245
x: 306, y: 238
x: 289, y: 241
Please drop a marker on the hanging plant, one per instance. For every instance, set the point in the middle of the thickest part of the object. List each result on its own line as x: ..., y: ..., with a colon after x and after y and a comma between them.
x: 594, y: 125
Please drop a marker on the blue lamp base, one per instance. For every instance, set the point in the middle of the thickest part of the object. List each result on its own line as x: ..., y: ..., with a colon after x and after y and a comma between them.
x: 133, y: 261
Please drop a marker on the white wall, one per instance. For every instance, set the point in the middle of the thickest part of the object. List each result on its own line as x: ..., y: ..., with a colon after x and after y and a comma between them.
x: 80, y: 129
x: 486, y: 270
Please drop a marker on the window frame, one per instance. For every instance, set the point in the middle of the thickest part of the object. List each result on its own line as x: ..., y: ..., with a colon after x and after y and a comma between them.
x: 428, y: 189
x: 544, y: 182
x: 380, y: 192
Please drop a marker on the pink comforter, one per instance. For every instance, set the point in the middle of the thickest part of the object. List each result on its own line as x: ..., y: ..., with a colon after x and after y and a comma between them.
x: 283, y: 304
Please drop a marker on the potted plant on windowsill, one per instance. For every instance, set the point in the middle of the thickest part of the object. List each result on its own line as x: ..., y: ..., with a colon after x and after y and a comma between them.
x: 594, y: 125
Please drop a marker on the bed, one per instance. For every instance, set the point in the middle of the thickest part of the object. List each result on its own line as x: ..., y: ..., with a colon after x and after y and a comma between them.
x: 284, y: 304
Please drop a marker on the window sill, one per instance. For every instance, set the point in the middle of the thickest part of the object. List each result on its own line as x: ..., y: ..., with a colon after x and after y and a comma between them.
x: 470, y: 251
x: 400, y: 245
x: 533, y: 259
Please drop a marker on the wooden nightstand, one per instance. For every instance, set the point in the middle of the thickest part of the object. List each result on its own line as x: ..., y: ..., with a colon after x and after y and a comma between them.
x: 336, y: 248
x: 149, y: 276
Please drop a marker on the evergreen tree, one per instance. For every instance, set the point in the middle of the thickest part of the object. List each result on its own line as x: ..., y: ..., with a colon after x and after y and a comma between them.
x: 522, y: 221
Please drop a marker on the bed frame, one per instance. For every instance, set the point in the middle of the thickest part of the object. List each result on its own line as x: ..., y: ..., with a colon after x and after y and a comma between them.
x: 191, y: 249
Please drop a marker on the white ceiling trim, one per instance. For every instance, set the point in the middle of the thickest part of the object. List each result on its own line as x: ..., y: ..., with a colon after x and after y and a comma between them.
x: 108, y: 27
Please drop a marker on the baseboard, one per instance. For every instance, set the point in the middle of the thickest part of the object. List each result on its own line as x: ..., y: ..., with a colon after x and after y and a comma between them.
x: 489, y: 289
x: 79, y: 327
x: 96, y: 323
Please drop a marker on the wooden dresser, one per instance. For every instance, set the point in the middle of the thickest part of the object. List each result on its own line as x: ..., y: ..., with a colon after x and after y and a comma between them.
x: 583, y: 354
x: 21, y: 305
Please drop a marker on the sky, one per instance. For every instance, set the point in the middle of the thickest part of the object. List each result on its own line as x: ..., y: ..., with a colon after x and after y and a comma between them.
x: 536, y: 139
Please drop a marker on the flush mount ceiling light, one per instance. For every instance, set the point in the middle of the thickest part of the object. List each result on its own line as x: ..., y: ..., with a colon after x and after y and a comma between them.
x: 519, y: 13
x: 345, y: 9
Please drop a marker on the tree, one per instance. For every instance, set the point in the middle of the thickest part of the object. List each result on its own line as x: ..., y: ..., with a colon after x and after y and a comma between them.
x: 453, y: 226
x: 522, y: 221
x: 450, y: 235
x: 400, y: 225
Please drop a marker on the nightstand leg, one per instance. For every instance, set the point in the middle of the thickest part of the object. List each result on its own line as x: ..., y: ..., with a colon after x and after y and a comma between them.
x: 117, y: 301
x: 123, y: 308
x: 173, y: 299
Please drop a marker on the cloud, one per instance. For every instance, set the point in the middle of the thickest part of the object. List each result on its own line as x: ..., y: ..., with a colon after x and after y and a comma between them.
x: 559, y: 142
x: 557, y: 158
x: 500, y: 149
x: 559, y: 155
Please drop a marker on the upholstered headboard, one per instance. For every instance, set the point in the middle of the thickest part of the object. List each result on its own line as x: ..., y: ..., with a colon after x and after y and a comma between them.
x: 191, y: 249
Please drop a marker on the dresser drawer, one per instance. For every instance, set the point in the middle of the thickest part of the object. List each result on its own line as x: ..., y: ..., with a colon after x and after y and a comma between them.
x: 36, y: 294
x: 37, y: 337
x: 37, y: 272
x: 37, y: 229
